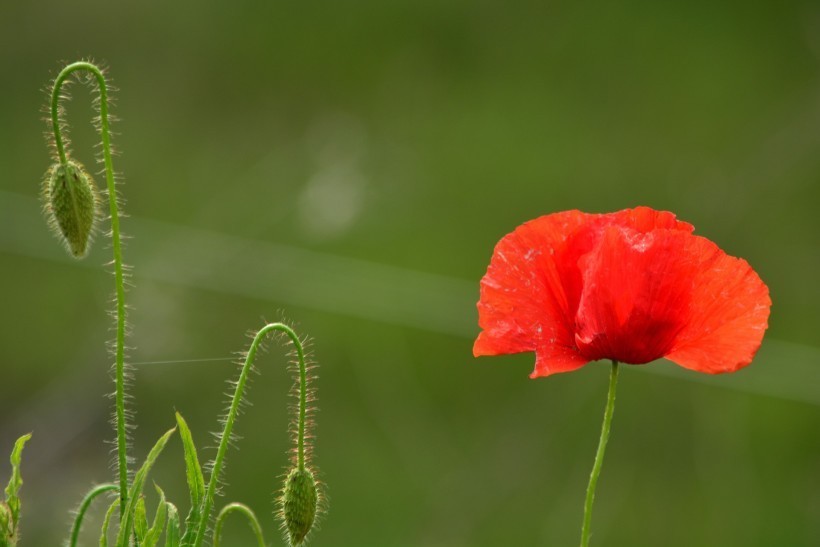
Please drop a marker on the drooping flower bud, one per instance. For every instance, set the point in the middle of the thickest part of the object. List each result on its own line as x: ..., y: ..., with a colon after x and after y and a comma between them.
x: 298, y: 504
x: 71, y: 205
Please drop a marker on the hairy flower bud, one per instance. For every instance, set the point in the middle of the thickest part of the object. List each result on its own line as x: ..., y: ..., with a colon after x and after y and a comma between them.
x: 298, y: 503
x: 71, y: 205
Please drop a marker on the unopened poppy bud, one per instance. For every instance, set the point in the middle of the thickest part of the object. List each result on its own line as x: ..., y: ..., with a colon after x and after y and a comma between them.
x: 299, y: 500
x: 71, y: 202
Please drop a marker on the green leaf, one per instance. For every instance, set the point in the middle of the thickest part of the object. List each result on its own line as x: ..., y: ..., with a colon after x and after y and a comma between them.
x: 15, y: 482
x: 136, y: 488
x: 196, y: 482
x: 172, y: 534
x: 107, y: 521
x: 152, y: 537
x: 140, y: 520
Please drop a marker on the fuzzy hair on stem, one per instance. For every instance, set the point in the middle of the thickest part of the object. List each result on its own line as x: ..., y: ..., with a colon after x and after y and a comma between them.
x: 83, y: 508
x: 242, y: 509
x: 300, y: 428
x: 59, y: 147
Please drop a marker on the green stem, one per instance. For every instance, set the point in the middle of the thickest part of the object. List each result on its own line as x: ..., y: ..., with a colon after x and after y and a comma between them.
x: 599, y: 455
x: 245, y: 510
x: 78, y: 521
x: 119, y: 351
x: 55, y: 115
x: 234, y: 410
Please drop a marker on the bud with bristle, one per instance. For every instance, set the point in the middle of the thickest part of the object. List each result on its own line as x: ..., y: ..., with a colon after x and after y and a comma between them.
x: 298, y: 504
x: 71, y: 205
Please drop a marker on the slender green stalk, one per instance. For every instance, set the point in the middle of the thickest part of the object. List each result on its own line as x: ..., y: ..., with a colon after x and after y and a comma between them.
x: 245, y: 510
x: 599, y: 455
x: 119, y: 351
x: 234, y: 410
x: 86, y: 503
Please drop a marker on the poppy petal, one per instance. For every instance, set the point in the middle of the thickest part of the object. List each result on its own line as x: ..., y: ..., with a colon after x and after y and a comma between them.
x: 524, y: 305
x: 553, y: 358
x: 633, y: 286
x: 645, y: 219
x: 728, y: 314
x: 636, y: 295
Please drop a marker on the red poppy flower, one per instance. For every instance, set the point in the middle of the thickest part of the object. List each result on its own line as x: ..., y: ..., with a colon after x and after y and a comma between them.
x: 631, y: 286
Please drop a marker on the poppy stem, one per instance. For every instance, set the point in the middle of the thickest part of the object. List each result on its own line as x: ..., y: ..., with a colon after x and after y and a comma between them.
x: 599, y: 455
x: 121, y: 414
x: 233, y: 412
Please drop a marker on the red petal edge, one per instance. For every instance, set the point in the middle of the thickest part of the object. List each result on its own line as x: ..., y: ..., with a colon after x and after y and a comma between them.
x: 524, y: 305
x: 728, y: 314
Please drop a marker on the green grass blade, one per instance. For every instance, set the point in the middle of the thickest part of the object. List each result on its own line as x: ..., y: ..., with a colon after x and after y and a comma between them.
x: 152, y: 536
x: 196, y: 481
x: 107, y: 522
x: 136, y: 488
x: 172, y: 534
x: 140, y: 520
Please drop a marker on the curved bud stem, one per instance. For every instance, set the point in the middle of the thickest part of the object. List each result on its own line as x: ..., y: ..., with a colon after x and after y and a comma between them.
x: 230, y: 419
x: 245, y: 510
x: 92, y: 494
x: 119, y: 351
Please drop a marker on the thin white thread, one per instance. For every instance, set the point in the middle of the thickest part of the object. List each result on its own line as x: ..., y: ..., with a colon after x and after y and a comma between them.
x: 182, y: 361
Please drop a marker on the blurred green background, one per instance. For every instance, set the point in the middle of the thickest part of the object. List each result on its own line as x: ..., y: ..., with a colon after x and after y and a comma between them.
x: 350, y: 166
